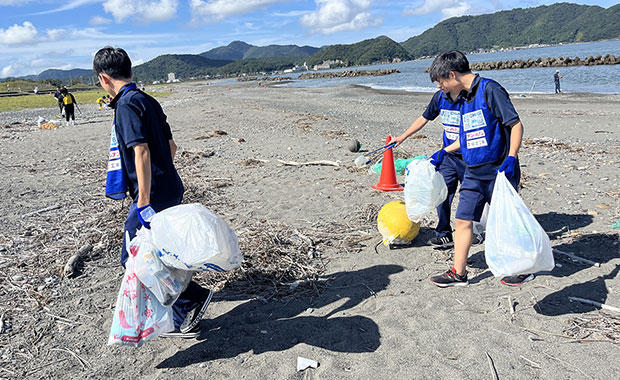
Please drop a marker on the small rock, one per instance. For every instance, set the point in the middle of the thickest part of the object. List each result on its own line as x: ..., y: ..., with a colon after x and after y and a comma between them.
x: 202, y: 365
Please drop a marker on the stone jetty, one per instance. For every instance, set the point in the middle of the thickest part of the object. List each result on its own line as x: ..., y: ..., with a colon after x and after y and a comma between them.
x: 546, y: 62
x: 348, y: 74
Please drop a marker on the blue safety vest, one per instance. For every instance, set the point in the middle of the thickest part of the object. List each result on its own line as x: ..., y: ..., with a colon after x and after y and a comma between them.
x: 481, y: 137
x: 450, y: 113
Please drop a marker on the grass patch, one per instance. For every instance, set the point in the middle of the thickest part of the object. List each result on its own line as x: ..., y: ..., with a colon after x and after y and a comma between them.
x: 16, y: 103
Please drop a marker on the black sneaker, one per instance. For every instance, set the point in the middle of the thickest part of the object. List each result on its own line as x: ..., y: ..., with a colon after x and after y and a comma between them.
x: 517, y: 280
x: 176, y: 333
x: 442, y: 241
x: 477, y: 239
x: 193, y: 317
x: 450, y: 278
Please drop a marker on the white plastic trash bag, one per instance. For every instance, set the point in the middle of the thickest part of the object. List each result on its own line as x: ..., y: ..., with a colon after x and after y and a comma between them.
x: 192, y: 238
x: 425, y: 189
x: 165, y: 283
x: 515, y: 242
x: 138, y: 315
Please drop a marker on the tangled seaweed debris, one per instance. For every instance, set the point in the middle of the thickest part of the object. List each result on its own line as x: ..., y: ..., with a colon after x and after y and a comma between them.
x: 280, y: 259
x: 601, y: 327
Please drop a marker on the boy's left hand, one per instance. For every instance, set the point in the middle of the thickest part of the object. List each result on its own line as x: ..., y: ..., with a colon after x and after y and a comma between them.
x: 508, y: 166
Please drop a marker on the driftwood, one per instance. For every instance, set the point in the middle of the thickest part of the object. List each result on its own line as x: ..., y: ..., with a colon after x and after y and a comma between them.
x: 594, y: 303
x: 309, y: 163
x: 50, y: 208
x: 71, y: 265
x: 577, y: 258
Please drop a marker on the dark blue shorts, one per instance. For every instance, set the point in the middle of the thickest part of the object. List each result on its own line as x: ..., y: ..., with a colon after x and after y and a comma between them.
x: 474, y: 193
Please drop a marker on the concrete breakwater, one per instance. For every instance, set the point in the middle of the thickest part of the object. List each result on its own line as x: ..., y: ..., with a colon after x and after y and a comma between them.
x: 348, y: 74
x: 546, y: 62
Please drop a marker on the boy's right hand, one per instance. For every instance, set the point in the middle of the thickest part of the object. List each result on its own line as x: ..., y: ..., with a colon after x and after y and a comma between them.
x: 145, y: 214
x: 398, y: 140
x: 437, y: 158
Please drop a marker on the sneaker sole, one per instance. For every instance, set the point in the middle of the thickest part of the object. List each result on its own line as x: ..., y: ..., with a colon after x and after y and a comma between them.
x: 187, y: 335
x: 447, y: 245
x: 459, y: 284
x: 527, y: 279
x: 198, y: 317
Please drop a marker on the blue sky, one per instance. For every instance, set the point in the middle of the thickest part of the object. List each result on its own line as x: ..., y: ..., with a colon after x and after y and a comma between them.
x: 39, y: 34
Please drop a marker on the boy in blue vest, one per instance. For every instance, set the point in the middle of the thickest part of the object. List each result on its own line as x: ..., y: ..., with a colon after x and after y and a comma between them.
x: 452, y: 168
x: 141, y: 162
x: 489, y: 139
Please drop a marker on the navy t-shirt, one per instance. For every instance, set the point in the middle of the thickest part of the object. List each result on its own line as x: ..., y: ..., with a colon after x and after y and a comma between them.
x: 140, y: 119
x: 498, y: 101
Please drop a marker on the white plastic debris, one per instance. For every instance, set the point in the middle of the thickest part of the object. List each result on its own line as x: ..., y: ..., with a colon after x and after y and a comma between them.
x: 303, y: 363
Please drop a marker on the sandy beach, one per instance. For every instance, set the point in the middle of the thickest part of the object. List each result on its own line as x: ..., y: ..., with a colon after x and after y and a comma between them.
x: 372, y: 312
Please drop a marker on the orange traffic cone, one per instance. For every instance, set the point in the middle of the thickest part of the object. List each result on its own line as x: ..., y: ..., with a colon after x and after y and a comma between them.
x: 387, y: 180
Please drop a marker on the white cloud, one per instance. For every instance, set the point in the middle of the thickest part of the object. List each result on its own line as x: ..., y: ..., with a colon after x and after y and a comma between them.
x: 448, y: 8
x: 14, y: 2
x: 141, y: 11
x: 19, y: 35
x: 460, y: 9
x: 217, y: 10
x: 55, y: 34
x: 7, y: 71
x: 291, y: 13
x: 334, y: 16
x: 68, y: 6
x: 100, y: 20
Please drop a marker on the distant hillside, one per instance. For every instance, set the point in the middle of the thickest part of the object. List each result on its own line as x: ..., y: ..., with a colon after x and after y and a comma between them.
x: 375, y: 50
x: 65, y: 76
x: 561, y: 22
x: 258, y: 65
x: 183, y: 65
x: 241, y: 50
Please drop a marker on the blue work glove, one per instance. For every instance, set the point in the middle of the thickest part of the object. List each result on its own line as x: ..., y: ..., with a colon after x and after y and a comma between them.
x: 437, y: 158
x: 145, y: 214
x: 508, y: 166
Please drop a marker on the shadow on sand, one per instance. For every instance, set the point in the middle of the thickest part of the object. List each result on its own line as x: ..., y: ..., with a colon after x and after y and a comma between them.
x: 261, y: 326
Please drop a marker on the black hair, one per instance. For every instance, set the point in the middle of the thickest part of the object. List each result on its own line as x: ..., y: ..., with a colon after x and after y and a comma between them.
x: 452, y: 60
x: 112, y: 61
x: 64, y: 91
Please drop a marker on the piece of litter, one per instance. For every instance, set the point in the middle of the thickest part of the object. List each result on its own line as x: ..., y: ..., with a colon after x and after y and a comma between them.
x: 617, y: 225
x: 303, y: 363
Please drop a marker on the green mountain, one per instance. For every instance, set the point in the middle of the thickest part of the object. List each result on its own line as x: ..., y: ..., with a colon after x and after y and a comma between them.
x: 258, y: 65
x: 241, y: 50
x: 63, y: 76
x: 374, y: 50
x: 561, y: 22
x: 183, y: 65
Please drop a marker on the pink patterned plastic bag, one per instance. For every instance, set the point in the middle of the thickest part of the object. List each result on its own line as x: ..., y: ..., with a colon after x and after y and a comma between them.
x: 138, y: 316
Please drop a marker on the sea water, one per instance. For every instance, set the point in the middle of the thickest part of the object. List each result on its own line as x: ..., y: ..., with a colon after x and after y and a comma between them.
x: 604, y: 79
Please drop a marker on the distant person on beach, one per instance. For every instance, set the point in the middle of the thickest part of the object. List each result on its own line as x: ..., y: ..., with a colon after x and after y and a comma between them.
x: 144, y: 167
x: 488, y: 139
x: 58, y: 97
x: 101, y: 101
x: 36, y: 90
x: 69, y: 104
x: 556, y: 79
